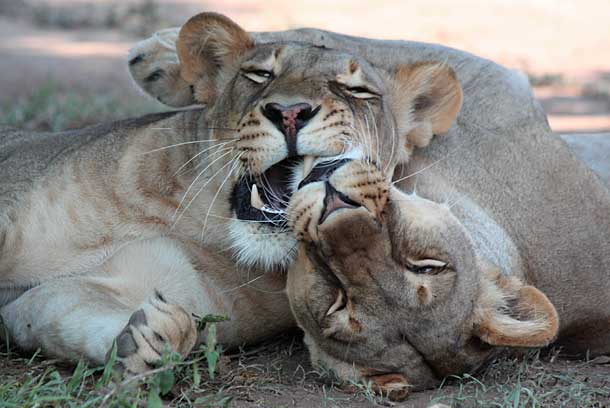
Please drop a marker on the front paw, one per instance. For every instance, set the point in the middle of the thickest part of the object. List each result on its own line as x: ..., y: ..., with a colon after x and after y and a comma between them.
x: 150, y: 330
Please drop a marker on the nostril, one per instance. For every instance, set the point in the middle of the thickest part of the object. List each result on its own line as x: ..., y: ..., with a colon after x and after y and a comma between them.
x: 306, y: 113
x: 273, y: 112
x: 333, y: 201
x: 302, y: 112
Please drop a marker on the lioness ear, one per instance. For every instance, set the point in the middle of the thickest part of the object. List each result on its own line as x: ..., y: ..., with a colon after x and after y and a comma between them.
x: 511, y: 314
x: 207, y: 44
x: 155, y: 68
x: 427, y: 98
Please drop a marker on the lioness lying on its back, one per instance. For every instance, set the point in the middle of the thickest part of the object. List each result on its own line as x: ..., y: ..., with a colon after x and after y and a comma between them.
x: 402, y: 291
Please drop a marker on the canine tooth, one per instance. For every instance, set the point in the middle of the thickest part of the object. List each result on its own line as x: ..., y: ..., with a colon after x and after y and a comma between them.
x: 307, y: 165
x: 337, y: 305
x: 255, y: 199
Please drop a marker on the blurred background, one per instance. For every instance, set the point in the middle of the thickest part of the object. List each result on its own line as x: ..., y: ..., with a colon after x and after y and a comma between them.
x: 63, y: 62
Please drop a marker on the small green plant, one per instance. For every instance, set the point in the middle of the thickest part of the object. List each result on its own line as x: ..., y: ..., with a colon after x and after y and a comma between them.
x: 44, y: 385
x: 210, y: 350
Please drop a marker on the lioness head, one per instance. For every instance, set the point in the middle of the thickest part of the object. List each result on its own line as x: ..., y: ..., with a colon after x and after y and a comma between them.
x: 388, y: 287
x: 286, y: 107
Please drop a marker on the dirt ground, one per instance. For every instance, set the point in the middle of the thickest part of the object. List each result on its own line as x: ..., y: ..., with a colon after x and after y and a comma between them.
x: 278, y: 374
x: 58, y: 72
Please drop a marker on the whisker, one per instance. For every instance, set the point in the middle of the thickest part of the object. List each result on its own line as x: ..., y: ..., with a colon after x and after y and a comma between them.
x: 239, y: 219
x: 176, y: 219
x: 193, y: 127
x: 420, y: 170
x: 270, y: 192
x: 202, y: 152
x: 378, y: 148
x: 394, y: 136
x: 242, y: 285
x: 456, y: 201
x: 235, y: 163
x: 182, y: 144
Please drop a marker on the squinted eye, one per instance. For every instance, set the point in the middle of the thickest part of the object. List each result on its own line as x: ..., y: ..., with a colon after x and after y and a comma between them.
x: 361, y: 92
x: 258, y: 75
x: 426, y: 266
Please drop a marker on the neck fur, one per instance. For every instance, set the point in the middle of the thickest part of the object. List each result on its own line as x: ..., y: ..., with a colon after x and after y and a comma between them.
x: 492, y: 243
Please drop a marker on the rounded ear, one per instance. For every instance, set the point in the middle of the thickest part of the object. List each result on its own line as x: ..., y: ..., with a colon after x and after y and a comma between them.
x: 155, y: 68
x: 206, y: 45
x: 511, y: 314
x: 427, y: 97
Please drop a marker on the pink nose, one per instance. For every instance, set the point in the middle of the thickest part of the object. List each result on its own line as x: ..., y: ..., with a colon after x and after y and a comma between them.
x: 289, y: 120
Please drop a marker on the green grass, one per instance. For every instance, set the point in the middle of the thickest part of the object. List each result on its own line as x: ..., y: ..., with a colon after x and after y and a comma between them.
x: 531, y: 381
x: 253, y: 375
x: 35, y: 382
x: 52, y: 107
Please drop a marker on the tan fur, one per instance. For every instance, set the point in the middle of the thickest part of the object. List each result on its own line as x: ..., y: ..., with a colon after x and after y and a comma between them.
x: 369, y: 253
x: 122, y: 183
x: 204, y: 40
x: 435, y: 88
x: 115, y: 233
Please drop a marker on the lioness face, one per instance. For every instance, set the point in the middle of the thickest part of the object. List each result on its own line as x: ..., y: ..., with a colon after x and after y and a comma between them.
x: 298, y: 108
x: 290, y: 107
x: 387, y: 286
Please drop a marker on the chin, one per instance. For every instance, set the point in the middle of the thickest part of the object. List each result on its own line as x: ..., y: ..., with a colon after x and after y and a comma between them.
x: 261, y: 246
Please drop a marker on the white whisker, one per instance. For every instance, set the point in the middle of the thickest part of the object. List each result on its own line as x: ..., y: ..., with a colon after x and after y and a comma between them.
x: 176, y: 219
x: 202, y: 152
x: 235, y: 162
x: 420, y: 170
x: 378, y: 148
x: 182, y: 144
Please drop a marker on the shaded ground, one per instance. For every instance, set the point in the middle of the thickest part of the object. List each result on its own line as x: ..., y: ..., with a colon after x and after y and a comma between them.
x: 278, y: 374
x: 60, y: 70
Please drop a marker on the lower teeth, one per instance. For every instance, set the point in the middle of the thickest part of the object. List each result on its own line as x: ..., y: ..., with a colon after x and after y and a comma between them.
x: 270, y: 210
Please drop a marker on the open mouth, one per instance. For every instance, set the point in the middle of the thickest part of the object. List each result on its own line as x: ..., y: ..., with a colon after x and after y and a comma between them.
x: 264, y: 198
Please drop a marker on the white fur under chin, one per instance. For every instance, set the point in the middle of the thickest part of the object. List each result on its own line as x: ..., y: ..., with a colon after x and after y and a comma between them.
x: 255, y: 245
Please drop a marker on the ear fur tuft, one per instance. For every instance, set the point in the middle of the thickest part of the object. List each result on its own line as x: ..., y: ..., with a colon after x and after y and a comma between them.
x: 514, y: 315
x: 207, y: 42
x: 427, y: 99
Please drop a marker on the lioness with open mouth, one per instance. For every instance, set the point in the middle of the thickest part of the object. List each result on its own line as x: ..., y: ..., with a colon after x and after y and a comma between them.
x: 126, y: 232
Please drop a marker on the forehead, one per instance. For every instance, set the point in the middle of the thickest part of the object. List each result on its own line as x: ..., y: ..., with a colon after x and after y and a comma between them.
x: 425, y: 226
x: 300, y: 57
x: 423, y: 214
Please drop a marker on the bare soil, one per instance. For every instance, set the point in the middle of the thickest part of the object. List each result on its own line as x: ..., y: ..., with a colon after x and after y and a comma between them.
x: 278, y: 374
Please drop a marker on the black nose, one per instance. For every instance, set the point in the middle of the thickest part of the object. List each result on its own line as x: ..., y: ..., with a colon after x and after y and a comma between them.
x: 289, y: 119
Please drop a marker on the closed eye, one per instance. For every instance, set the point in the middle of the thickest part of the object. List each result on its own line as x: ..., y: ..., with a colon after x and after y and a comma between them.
x: 361, y: 92
x: 259, y: 76
x: 426, y: 266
